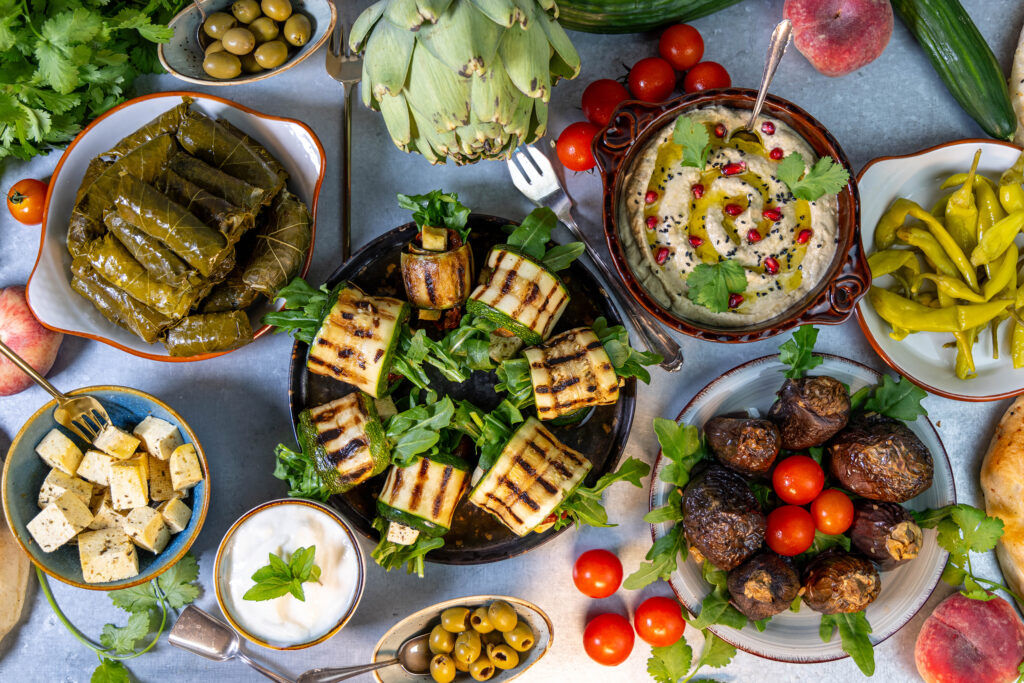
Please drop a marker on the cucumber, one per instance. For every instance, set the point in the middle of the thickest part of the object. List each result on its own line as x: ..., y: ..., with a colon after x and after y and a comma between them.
x: 345, y: 440
x: 963, y: 60
x: 632, y: 16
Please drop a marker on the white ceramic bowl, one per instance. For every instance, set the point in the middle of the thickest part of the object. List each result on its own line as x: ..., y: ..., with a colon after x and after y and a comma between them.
x: 923, y: 357
x: 793, y: 637
x: 49, y: 292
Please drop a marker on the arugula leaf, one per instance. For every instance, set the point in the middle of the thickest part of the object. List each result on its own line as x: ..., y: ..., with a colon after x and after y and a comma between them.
x: 710, y: 285
x: 110, y: 671
x: 860, y: 397
x: 303, y: 312
x: 123, y: 639
x: 816, y: 453
x: 392, y: 555
x: 469, y: 344
x: 825, y: 177
x: 900, y: 400
x: 765, y: 494
x: 437, y: 209
x: 514, y: 378
x: 300, y: 473
x: 670, y: 663
x: 716, y: 607
x: 534, y: 233
x: 684, y: 448
x: 489, y: 431
x: 662, y: 560
x: 627, y: 361
x: 672, y: 511
x: 415, y: 432
x: 796, y: 352
x: 279, y: 578
x: 853, y: 632
x: 584, y: 505
x: 560, y: 256
x: 823, y: 542
x: 693, y: 137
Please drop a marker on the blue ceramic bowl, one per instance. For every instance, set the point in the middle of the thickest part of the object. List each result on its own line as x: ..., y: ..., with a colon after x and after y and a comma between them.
x: 24, y: 472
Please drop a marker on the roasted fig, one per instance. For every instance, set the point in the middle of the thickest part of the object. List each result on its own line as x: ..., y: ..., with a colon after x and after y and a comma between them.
x: 879, y: 458
x: 810, y: 411
x: 836, y: 581
x: 885, y: 532
x: 745, y: 445
x: 721, y: 517
x: 764, y: 586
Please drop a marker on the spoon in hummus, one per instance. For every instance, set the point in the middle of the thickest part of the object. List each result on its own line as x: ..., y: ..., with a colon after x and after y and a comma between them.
x: 776, y: 48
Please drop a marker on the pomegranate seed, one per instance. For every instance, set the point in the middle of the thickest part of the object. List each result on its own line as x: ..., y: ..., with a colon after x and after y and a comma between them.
x: 771, y: 265
x: 734, y: 168
x: 773, y: 214
x: 776, y: 153
x: 720, y: 130
x: 696, y: 241
x: 698, y: 190
x: 803, y: 236
x: 753, y: 236
x: 768, y: 128
x: 651, y: 196
x: 735, y: 300
x: 733, y: 209
x: 652, y: 222
x: 662, y: 255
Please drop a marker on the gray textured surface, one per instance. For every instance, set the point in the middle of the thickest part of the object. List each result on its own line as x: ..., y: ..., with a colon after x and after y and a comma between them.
x: 237, y: 403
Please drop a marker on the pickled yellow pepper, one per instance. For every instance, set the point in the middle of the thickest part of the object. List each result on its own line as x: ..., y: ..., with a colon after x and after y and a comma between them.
x: 962, y: 211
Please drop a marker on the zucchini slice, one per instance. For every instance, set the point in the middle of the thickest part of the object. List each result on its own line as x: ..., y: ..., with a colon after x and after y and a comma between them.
x: 437, y: 280
x: 357, y: 339
x: 345, y: 440
x: 422, y: 496
x: 533, y: 476
x: 569, y: 372
x: 520, y: 294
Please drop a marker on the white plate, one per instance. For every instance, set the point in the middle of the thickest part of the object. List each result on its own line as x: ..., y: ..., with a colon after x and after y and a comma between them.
x: 923, y: 357
x: 49, y: 292
x: 793, y: 637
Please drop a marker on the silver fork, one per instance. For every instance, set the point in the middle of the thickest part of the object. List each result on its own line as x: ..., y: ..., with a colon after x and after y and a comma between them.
x: 535, y: 177
x: 345, y: 67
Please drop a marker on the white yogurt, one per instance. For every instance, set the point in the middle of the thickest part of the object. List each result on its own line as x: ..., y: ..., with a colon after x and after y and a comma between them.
x: 282, y: 529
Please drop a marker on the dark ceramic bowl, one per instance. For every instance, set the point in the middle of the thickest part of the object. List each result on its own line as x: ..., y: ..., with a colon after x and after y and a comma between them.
x: 832, y: 301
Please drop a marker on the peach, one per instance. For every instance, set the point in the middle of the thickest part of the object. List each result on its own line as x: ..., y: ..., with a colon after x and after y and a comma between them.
x: 20, y: 330
x: 840, y: 36
x: 966, y: 641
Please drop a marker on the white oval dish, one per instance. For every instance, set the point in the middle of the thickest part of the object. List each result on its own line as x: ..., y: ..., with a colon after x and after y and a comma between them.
x: 793, y: 637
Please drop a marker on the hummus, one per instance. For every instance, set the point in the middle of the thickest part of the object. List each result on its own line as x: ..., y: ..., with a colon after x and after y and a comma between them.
x: 673, y: 218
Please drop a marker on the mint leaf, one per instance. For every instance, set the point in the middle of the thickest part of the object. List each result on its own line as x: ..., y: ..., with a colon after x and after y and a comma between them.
x: 797, y: 352
x: 710, y: 285
x: 279, y: 577
x: 693, y: 137
x: 825, y: 177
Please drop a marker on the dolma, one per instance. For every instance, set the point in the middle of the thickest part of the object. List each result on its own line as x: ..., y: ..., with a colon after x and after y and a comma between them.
x: 208, y: 333
x: 163, y: 124
x: 257, y: 146
x: 82, y: 230
x: 233, y: 294
x: 215, y: 181
x: 230, y: 220
x: 162, y: 263
x: 281, y: 246
x: 114, y: 304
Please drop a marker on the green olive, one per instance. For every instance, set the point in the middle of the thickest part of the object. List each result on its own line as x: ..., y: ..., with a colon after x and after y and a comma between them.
x: 503, y: 657
x: 249, y: 64
x: 493, y: 638
x: 441, y: 641
x: 503, y: 616
x: 271, y: 54
x: 442, y: 668
x: 222, y: 65
x: 239, y: 41
x: 215, y: 46
x: 480, y: 622
x: 481, y: 669
x: 468, y: 647
x: 278, y: 10
x: 246, y: 11
x: 455, y: 619
x: 521, y: 637
x: 264, y: 29
x: 217, y: 24
x: 461, y: 666
x: 297, y: 30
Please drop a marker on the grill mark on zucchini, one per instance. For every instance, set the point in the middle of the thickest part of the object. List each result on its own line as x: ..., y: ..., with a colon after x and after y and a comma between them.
x: 443, y: 491
x: 508, y: 511
x: 355, y: 475
x: 506, y: 286
x: 428, y: 282
x: 377, y: 356
x: 346, y: 451
x: 417, y: 490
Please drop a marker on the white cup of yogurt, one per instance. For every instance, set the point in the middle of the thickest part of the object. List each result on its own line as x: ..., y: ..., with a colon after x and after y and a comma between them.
x: 281, y: 527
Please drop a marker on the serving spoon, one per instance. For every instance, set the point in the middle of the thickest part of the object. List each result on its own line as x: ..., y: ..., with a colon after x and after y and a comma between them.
x: 776, y: 48
x: 413, y: 656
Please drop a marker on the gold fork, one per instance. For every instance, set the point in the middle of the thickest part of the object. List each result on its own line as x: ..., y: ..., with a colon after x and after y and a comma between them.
x: 345, y: 67
x: 83, y: 415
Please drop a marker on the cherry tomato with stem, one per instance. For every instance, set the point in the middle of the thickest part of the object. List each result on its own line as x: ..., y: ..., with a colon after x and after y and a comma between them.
x: 798, y: 479
x: 790, y: 530
x: 25, y: 201
x: 659, y: 621
x: 573, y: 146
x: 706, y: 76
x: 652, y: 79
x: 681, y: 46
x: 608, y: 639
x: 832, y: 511
x: 600, y: 99
x: 597, y: 573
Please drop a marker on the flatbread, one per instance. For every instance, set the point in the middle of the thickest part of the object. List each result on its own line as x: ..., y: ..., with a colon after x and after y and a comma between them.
x: 14, y: 573
x: 1017, y: 88
x: 1002, y: 484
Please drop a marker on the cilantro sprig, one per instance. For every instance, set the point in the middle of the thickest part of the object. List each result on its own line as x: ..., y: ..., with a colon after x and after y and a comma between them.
x: 796, y: 352
x: 671, y: 664
x: 710, y: 285
x: 825, y: 177
x: 899, y: 399
x: 693, y: 137
x: 279, y: 578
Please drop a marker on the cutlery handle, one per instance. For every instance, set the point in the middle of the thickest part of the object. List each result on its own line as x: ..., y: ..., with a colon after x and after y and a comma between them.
x: 346, y: 170
x: 655, y: 338
x: 776, y: 48
x: 30, y: 371
x: 264, y: 670
x: 344, y: 673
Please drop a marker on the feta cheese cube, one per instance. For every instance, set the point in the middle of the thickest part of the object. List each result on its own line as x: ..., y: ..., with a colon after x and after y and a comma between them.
x: 116, y: 442
x: 176, y: 514
x: 160, y: 487
x: 185, y: 469
x: 141, y: 459
x: 129, y: 487
x: 59, y: 522
x: 145, y: 526
x: 57, y: 482
x: 104, y: 514
x: 107, y: 555
x: 59, y: 452
x: 159, y: 437
x: 95, y: 467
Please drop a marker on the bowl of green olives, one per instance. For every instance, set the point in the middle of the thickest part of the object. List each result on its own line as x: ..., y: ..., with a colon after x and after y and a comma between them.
x: 478, y: 638
x: 245, y: 40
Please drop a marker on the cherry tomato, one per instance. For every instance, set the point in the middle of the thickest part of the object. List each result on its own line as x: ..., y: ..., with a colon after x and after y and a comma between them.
x: 25, y: 201
x: 790, y: 530
x: 573, y: 146
x: 600, y: 99
x: 681, y: 46
x: 597, y: 573
x: 659, y: 621
x: 608, y: 639
x: 652, y: 79
x: 798, y: 479
x: 832, y: 511
x: 706, y: 76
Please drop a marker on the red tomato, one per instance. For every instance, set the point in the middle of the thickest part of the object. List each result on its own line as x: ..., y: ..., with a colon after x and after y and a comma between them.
x: 790, y: 530
x: 608, y: 639
x: 659, y: 621
x: 706, y: 76
x: 597, y: 573
x: 832, y: 511
x: 681, y: 46
x: 652, y: 79
x: 600, y: 99
x: 573, y: 146
x: 798, y: 479
x: 25, y: 201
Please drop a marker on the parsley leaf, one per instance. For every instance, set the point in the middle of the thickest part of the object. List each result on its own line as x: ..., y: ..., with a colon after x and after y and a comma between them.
x: 110, y: 671
x: 279, y: 577
x: 710, y: 285
x: 796, y: 352
x: 716, y: 653
x: 178, y: 582
x: 584, y: 505
x: 437, y: 209
x: 900, y: 400
x: 853, y: 631
x: 122, y: 639
x: 670, y: 663
x: 693, y: 137
x: 627, y: 361
x: 825, y: 177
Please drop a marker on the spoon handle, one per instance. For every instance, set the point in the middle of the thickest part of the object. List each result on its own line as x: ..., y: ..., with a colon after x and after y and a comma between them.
x: 776, y: 48
x: 278, y: 678
x: 342, y: 674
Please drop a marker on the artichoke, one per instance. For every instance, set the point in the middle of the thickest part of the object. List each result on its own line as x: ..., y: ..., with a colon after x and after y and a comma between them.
x: 462, y: 79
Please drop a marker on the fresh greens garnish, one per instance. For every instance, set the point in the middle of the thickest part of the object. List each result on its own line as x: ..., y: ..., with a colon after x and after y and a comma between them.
x: 716, y: 608
x: 670, y: 664
x: 281, y: 578
x: 693, y: 137
x: 584, y: 506
x: 304, y: 310
x: 489, y: 431
x: 560, y: 256
x: 825, y: 177
x: 110, y: 671
x: 627, y: 361
x: 300, y: 473
x: 514, y: 378
x: 900, y: 400
x: 853, y: 632
x: 684, y: 448
x: 710, y: 285
x: 796, y: 352
x: 391, y: 555
x: 437, y: 209
x: 416, y: 432
x: 532, y: 236
x: 823, y: 542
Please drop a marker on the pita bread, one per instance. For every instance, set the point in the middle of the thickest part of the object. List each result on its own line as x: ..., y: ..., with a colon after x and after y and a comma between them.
x: 1017, y: 88
x: 14, y: 573
x: 1002, y: 484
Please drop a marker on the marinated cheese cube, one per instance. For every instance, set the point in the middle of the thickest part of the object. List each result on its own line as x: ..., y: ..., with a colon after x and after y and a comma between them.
x: 160, y: 487
x: 142, y: 460
x: 57, y: 482
x: 104, y: 516
x: 95, y: 467
x: 145, y: 526
x: 185, y: 469
x: 107, y: 555
x: 116, y: 442
x: 59, y: 521
x: 59, y: 452
x: 128, y: 485
x: 159, y: 437
x: 176, y: 514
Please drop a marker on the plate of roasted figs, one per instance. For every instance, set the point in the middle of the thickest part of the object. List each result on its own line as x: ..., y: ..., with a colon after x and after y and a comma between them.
x: 795, y: 505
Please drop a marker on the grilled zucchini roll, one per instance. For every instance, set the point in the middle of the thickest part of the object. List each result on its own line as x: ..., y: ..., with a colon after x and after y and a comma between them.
x: 438, y: 274
x: 531, y: 477
x: 421, y: 497
x: 345, y: 441
x: 570, y: 372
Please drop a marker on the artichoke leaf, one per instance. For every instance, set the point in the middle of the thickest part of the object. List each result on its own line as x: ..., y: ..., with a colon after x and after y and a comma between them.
x: 566, y: 61
x: 520, y: 123
x: 388, y: 52
x: 396, y: 116
x: 539, y: 120
x: 503, y: 12
x: 404, y: 14
x: 366, y: 89
x: 432, y: 143
x: 465, y: 40
x: 431, y: 10
x: 526, y: 54
x: 364, y: 24
x: 548, y: 6
x: 436, y: 93
x: 494, y: 96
